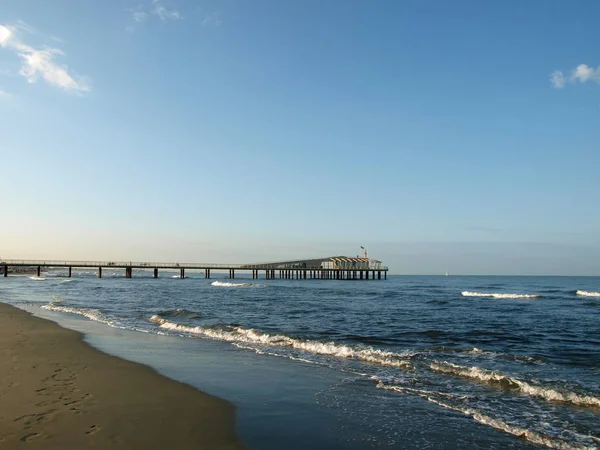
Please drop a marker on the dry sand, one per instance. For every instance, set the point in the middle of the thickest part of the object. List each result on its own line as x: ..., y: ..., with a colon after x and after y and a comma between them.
x: 57, y: 392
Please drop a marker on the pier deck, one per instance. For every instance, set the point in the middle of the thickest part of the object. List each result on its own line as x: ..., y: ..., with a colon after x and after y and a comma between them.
x: 334, y: 267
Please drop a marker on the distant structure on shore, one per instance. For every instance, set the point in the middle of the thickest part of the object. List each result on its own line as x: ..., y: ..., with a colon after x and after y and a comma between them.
x: 330, y: 268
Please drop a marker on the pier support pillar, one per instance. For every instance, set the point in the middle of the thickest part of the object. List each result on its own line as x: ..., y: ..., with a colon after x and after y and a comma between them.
x: 70, y: 271
x: 182, y: 273
x: 99, y: 272
x: 156, y: 272
x: 367, y: 274
x: 379, y: 275
x: 385, y: 274
x: 39, y: 270
x: 361, y: 274
x: 5, y: 271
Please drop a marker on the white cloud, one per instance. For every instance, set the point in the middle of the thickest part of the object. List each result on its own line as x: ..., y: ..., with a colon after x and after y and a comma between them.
x: 163, y: 13
x: 40, y: 63
x: 4, y: 94
x: 581, y: 74
x: 5, y: 35
x: 558, y: 79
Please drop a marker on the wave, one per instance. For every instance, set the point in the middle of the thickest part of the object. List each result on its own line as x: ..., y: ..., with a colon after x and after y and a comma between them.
x: 457, y: 403
x: 238, y: 335
x: 92, y: 314
x: 533, y: 436
x: 67, y: 281
x: 588, y: 294
x: 235, y: 285
x: 505, y: 381
x: 37, y: 278
x: 180, y: 312
x: 499, y: 295
x: 478, y: 352
x: 178, y: 276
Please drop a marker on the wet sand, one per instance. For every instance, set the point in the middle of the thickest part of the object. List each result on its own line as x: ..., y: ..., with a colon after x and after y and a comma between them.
x: 57, y: 392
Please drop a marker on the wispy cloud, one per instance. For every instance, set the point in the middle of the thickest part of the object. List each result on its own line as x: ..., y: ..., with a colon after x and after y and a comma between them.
x: 139, y: 16
x: 211, y: 19
x: 558, y: 79
x: 142, y: 13
x: 41, y: 62
x: 163, y: 13
x: 4, y: 94
x: 581, y: 74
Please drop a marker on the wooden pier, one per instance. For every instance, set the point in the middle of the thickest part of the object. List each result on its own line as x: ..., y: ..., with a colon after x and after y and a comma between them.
x: 330, y: 268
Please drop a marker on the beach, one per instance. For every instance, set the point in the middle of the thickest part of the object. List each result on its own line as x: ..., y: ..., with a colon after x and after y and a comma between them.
x: 58, y: 392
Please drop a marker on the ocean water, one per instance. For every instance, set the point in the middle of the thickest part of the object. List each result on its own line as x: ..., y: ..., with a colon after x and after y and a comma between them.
x: 408, y: 362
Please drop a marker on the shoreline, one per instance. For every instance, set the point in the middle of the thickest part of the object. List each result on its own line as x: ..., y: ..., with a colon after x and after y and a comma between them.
x: 57, y: 391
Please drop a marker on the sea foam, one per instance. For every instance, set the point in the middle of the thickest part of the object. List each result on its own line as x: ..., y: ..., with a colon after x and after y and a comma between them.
x: 457, y: 403
x: 92, y: 314
x: 250, y: 336
x: 588, y: 294
x: 37, y: 278
x: 505, y: 381
x: 235, y: 285
x: 498, y: 295
x: 522, y: 432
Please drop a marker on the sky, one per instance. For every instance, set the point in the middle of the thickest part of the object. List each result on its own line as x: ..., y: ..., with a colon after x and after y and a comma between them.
x: 459, y: 136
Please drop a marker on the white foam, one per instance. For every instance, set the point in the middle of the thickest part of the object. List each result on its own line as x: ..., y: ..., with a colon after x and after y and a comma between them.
x: 498, y: 295
x: 178, y: 276
x: 92, y: 314
x: 546, y: 393
x: 37, y: 278
x: 244, y: 335
x: 525, y: 433
x: 235, y: 285
x: 66, y: 281
x: 588, y: 294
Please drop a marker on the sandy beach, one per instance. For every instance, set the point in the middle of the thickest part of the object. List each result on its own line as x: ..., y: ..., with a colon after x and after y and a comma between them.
x: 57, y: 392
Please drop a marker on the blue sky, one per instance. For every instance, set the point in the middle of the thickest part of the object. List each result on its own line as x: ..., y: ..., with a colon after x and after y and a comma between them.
x: 441, y: 135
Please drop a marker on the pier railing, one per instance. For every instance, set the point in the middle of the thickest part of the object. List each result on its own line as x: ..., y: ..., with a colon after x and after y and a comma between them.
x: 118, y: 264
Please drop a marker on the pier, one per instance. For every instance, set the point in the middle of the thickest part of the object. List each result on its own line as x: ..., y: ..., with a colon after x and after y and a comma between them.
x: 330, y: 268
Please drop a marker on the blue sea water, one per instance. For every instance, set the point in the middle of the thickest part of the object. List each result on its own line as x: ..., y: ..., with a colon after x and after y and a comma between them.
x: 408, y: 362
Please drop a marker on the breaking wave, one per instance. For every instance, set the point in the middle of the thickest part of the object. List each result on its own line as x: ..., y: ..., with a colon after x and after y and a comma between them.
x: 507, y: 382
x: 92, y: 314
x: 588, y: 294
x: 236, y: 285
x: 37, y: 278
x: 533, y: 436
x: 480, y: 294
x: 238, y: 335
x: 457, y: 403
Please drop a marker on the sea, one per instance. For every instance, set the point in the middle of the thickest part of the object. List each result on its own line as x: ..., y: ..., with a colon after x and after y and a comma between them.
x: 411, y: 362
